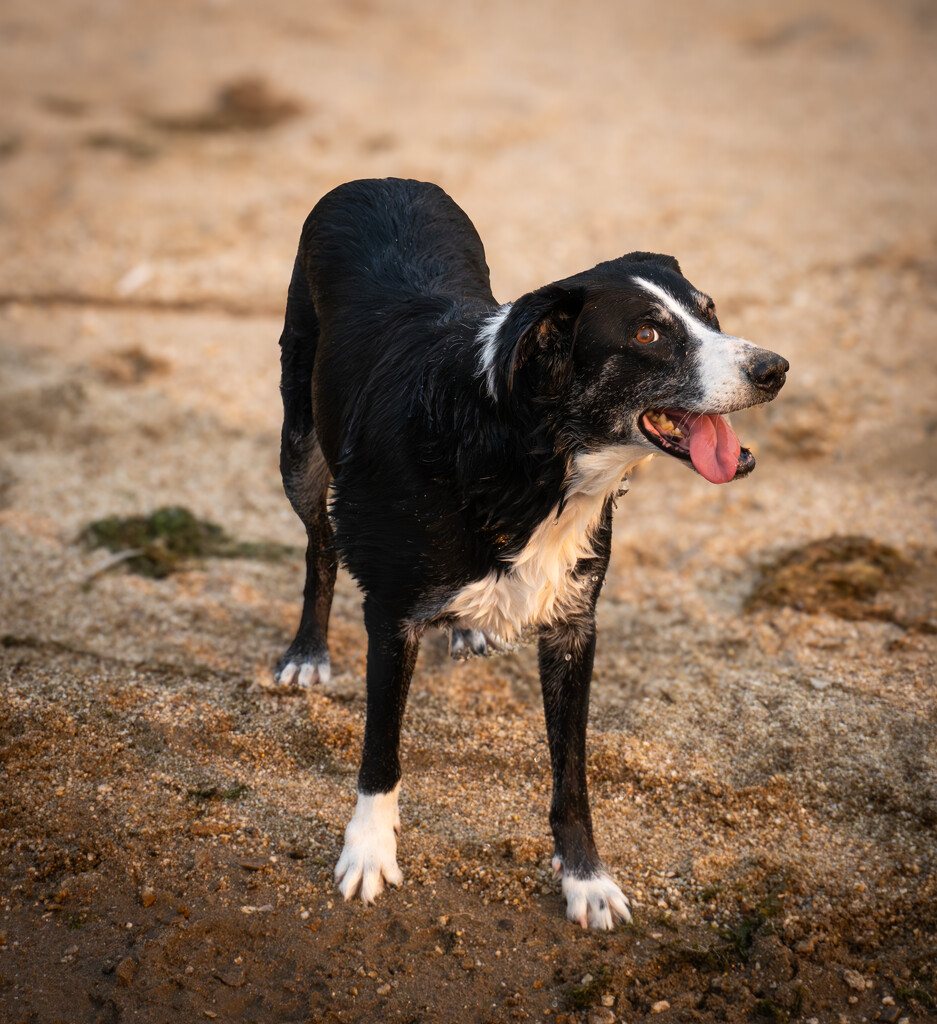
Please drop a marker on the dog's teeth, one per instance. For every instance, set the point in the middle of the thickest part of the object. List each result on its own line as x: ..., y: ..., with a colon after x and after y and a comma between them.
x: 677, y: 432
x: 662, y: 422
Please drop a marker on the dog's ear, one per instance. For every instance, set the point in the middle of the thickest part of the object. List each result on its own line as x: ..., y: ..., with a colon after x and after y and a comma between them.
x: 542, y: 321
x: 654, y: 257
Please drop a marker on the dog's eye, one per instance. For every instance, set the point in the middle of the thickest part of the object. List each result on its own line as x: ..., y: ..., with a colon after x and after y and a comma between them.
x: 646, y: 335
x: 711, y: 313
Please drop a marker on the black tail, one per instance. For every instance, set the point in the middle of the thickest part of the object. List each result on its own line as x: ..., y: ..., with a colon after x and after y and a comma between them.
x: 298, y: 344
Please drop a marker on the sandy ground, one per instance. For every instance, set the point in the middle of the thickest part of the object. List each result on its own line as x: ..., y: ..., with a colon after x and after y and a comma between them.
x: 764, y: 776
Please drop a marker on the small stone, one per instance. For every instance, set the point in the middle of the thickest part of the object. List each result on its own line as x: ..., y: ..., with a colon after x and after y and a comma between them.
x: 819, y: 684
x: 854, y: 980
x: 383, y: 990
x: 126, y: 969
x: 888, y: 1001
x: 208, y: 828
x: 442, y: 921
x: 147, y: 896
x: 71, y: 951
x: 807, y: 945
x: 608, y: 999
x: 254, y: 863
x: 586, y: 979
x: 232, y: 977
x: 468, y: 964
x: 600, y: 1015
x: 660, y: 1007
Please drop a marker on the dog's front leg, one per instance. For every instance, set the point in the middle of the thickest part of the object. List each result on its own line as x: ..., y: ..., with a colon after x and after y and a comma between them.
x: 592, y: 897
x: 369, y: 857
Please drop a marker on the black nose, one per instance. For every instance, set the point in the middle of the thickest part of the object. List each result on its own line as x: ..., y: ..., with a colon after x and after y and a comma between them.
x: 768, y: 371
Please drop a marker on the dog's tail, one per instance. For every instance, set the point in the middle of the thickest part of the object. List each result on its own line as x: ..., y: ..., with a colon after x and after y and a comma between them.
x: 302, y: 465
x: 298, y: 344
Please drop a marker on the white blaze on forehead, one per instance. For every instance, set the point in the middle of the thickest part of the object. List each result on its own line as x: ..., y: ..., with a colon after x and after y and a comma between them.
x: 687, y: 317
x: 720, y: 358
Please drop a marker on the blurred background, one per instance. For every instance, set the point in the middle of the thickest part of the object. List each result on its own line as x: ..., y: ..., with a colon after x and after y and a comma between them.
x: 162, y: 157
x: 190, y: 139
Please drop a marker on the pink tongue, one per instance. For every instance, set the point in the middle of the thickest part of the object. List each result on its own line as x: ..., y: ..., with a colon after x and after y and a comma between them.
x: 714, y: 449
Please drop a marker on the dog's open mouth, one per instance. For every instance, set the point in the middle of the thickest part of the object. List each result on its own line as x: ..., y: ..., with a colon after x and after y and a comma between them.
x: 704, y: 439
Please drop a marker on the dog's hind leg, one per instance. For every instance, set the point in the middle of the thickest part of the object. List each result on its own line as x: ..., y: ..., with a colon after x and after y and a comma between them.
x: 306, y: 660
x: 369, y: 856
x: 306, y: 479
x: 566, y: 652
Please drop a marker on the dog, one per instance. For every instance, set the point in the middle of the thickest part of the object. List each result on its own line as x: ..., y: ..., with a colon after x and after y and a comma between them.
x: 462, y: 458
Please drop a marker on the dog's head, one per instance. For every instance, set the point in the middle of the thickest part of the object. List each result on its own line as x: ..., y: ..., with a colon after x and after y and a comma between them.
x: 631, y: 353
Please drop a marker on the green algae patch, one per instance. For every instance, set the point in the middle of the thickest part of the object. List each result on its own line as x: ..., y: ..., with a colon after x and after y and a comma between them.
x: 168, y: 539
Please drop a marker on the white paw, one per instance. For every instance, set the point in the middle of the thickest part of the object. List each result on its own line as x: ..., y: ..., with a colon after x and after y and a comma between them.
x: 594, y: 902
x: 304, y: 674
x: 369, y: 857
x: 476, y: 643
x: 469, y: 643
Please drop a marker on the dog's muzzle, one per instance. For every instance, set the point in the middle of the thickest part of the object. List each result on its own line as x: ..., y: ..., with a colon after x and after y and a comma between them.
x: 767, y: 371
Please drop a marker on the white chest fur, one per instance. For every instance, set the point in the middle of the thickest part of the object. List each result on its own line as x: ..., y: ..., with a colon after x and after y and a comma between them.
x: 538, y: 587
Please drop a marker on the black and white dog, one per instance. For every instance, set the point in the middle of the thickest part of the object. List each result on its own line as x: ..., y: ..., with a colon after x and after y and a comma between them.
x: 462, y: 458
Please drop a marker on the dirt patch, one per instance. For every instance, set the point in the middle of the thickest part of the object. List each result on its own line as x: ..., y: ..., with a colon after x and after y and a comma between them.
x: 248, y: 104
x: 130, y: 365
x: 854, y: 578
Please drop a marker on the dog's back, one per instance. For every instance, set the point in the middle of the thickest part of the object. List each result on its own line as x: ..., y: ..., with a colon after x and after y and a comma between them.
x: 374, y: 255
x: 387, y: 242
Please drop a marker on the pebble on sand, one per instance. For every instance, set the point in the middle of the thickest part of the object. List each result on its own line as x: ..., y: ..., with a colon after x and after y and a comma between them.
x: 125, y: 970
x: 854, y: 980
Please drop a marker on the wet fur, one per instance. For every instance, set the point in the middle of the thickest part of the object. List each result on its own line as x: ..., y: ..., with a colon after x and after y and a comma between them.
x: 461, y: 458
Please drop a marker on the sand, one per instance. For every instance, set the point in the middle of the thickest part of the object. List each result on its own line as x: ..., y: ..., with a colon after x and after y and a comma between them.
x: 763, y: 775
